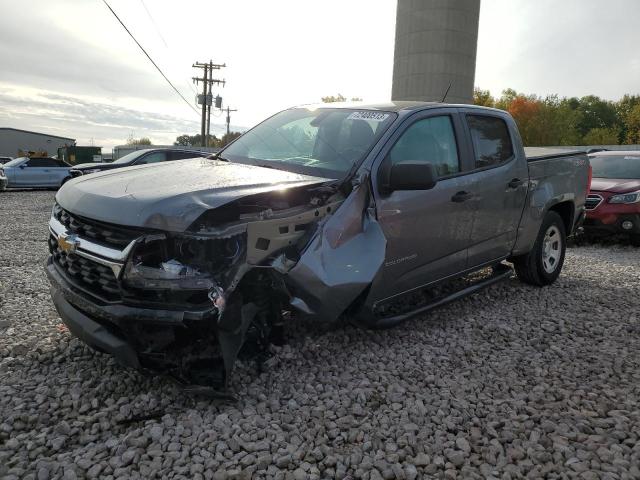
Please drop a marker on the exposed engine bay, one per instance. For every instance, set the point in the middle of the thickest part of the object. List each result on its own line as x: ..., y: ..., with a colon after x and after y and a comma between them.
x: 227, y: 259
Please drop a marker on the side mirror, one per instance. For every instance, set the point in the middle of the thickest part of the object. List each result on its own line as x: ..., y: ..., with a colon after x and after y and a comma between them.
x: 22, y: 167
x: 412, y: 175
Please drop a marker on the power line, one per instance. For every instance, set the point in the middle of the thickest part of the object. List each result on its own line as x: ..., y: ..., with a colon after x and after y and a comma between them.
x: 166, y: 45
x: 154, y: 23
x: 150, y: 59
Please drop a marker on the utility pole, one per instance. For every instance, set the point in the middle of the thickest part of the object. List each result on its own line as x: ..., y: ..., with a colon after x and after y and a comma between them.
x: 229, y: 118
x: 209, y: 101
x: 207, y: 80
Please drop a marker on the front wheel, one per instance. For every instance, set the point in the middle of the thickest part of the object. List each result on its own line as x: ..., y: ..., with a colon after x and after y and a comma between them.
x: 542, y: 265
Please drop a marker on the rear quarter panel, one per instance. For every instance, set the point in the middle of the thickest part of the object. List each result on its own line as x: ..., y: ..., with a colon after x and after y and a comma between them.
x: 553, y: 181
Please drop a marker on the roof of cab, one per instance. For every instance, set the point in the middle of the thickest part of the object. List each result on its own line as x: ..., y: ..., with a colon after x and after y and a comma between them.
x: 391, y: 106
x: 614, y: 153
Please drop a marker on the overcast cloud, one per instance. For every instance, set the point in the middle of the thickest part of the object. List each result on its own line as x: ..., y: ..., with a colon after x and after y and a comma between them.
x: 67, y: 67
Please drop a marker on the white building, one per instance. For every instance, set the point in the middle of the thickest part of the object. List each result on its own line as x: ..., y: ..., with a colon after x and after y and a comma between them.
x: 13, y: 139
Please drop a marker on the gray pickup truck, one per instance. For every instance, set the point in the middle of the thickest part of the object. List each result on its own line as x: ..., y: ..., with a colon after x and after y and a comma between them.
x: 373, y: 213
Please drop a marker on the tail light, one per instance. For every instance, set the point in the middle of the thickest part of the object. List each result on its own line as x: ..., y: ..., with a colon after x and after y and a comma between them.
x: 589, y: 178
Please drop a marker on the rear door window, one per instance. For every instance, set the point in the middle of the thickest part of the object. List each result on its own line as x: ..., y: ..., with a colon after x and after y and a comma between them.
x: 41, y: 163
x: 431, y: 140
x: 491, y: 140
x: 183, y: 155
x: 153, y: 157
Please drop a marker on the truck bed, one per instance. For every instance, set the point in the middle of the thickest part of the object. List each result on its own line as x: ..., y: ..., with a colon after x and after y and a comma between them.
x: 545, y: 153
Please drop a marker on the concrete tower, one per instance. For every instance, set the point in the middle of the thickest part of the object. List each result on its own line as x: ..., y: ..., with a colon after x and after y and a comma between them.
x: 436, y: 43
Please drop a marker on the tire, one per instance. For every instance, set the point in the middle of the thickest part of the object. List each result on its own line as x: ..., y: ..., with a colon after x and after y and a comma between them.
x: 635, y: 239
x: 543, y: 264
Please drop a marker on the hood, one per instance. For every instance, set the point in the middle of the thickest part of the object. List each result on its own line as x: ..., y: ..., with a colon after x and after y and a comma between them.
x: 101, y: 166
x: 614, y: 185
x: 170, y: 196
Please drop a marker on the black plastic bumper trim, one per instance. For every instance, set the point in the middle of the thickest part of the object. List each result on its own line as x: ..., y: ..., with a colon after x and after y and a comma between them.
x: 92, y: 333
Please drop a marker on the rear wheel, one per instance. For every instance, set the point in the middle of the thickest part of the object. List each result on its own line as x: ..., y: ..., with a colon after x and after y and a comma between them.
x: 542, y: 265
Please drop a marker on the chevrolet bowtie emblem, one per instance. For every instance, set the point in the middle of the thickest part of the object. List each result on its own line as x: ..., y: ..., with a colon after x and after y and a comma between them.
x: 68, y: 243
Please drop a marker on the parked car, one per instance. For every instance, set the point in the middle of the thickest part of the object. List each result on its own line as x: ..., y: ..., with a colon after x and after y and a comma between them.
x: 139, y: 157
x: 613, y: 203
x: 37, y: 172
x: 377, y: 213
x: 4, y: 160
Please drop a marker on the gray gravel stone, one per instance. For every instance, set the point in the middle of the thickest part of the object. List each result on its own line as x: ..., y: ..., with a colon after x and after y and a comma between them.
x: 514, y: 382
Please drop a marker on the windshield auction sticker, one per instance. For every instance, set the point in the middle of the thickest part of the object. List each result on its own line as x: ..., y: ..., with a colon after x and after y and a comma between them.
x: 368, y: 115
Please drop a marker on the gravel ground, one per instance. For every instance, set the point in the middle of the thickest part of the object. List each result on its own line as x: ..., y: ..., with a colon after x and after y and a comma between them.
x: 513, y: 382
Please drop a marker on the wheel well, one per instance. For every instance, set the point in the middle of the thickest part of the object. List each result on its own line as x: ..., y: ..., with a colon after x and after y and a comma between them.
x: 565, y: 210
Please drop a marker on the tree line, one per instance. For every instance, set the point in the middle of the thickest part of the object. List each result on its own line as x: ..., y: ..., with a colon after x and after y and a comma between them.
x: 196, y: 140
x: 190, y: 140
x: 552, y: 120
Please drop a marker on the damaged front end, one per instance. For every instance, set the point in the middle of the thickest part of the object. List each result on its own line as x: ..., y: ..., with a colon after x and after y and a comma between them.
x: 189, y: 304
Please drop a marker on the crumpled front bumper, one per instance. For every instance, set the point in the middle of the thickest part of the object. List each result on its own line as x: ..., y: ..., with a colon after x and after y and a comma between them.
x: 93, y: 333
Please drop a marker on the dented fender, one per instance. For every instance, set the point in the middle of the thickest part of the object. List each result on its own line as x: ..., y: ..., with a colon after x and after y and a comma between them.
x: 341, y: 260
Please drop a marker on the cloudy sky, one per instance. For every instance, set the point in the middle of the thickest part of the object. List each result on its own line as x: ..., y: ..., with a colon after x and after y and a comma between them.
x: 68, y: 68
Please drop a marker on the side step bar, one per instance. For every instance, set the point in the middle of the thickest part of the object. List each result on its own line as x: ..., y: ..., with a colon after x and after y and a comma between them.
x: 500, y: 272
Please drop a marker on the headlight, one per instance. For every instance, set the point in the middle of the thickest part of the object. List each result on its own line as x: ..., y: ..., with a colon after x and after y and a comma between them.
x: 180, y: 263
x: 633, y: 197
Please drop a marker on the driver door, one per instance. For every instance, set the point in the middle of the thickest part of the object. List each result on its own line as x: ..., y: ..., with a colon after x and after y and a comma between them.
x: 427, y: 231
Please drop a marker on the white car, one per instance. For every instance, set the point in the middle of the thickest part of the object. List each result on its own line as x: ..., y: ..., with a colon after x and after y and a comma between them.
x: 40, y: 172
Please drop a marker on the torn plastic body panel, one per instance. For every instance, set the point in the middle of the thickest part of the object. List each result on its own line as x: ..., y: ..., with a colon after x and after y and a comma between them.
x: 341, y: 260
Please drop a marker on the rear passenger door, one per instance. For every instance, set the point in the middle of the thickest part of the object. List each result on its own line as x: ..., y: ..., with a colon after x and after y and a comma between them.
x: 34, y: 174
x: 427, y: 231
x: 500, y: 179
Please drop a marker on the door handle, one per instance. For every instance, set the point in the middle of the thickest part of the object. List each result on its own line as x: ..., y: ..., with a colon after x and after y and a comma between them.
x: 461, y: 197
x: 515, y: 183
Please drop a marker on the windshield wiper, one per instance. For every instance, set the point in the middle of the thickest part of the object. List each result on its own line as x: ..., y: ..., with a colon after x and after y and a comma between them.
x: 217, y: 156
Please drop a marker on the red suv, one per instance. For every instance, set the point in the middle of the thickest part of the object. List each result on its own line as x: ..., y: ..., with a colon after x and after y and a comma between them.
x: 613, y: 203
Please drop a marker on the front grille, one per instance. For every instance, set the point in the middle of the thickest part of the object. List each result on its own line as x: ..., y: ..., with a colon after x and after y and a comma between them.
x: 592, y: 201
x: 111, y: 235
x: 86, y: 273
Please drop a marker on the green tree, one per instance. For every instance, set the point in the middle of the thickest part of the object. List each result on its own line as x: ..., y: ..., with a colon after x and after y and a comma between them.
x: 595, y: 113
x: 483, y: 97
x: 138, y: 141
x: 633, y: 126
x: 339, y: 98
x: 623, y: 108
x: 602, y: 136
x: 196, y: 140
x: 228, y: 138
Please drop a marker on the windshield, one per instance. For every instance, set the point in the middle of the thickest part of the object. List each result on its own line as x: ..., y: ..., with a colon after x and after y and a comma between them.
x: 130, y: 157
x: 616, y: 166
x: 326, y: 142
x: 15, y: 161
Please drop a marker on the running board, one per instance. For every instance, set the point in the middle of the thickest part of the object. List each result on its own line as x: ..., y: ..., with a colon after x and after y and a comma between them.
x: 500, y: 272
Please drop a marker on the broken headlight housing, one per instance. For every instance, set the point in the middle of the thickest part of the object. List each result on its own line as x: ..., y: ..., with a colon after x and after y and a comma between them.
x: 180, y: 262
